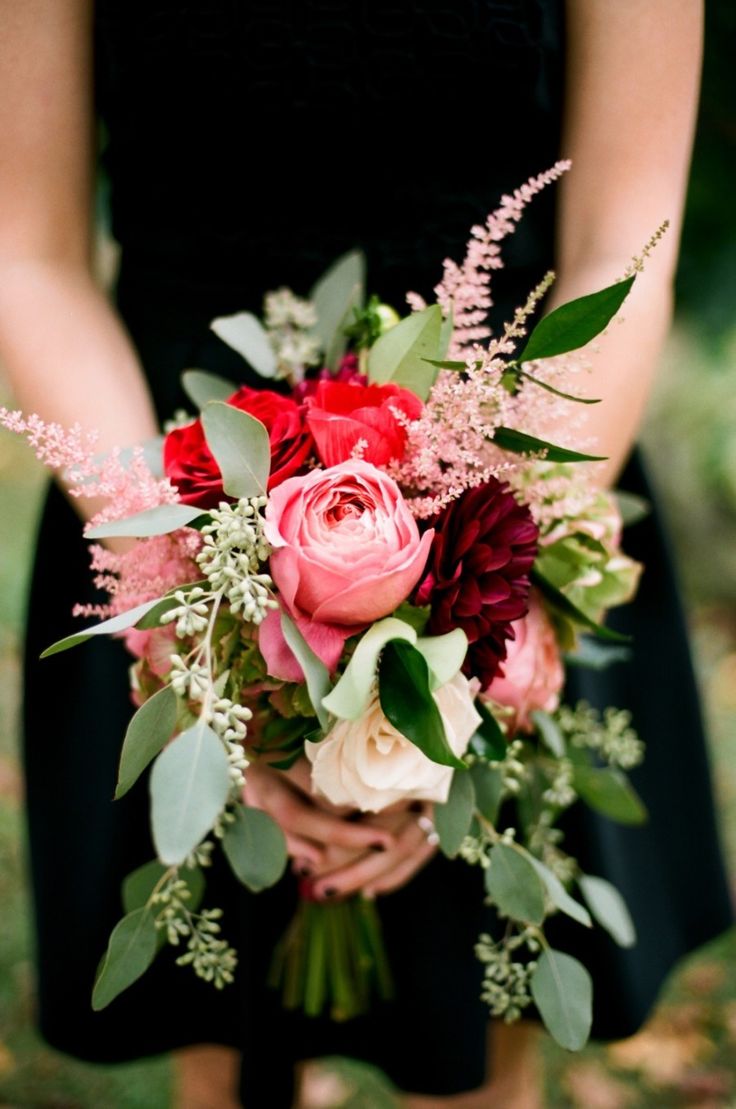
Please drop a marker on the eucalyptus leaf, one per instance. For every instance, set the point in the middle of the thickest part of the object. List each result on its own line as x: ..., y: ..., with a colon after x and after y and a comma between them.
x: 550, y: 732
x: 609, y: 909
x: 315, y: 671
x: 514, y: 885
x: 632, y: 507
x: 351, y: 695
x: 489, y: 790
x: 140, y: 884
x: 558, y: 600
x: 402, y: 354
x: 190, y: 783
x: 444, y: 654
x: 152, y: 618
x: 574, y: 324
x: 559, y: 896
x: 489, y: 741
x: 130, y: 952
x: 518, y: 442
x: 202, y: 387
x: 335, y: 295
x: 115, y: 624
x: 592, y: 655
x: 406, y: 699
x: 453, y: 818
x: 608, y: 791
x: 246, y: 334
x: 448, y: 325
x: 563, y: 993
x: 255, y: 847
x: 241, y: 448
x: 161, y: 520
x: 149, y: 730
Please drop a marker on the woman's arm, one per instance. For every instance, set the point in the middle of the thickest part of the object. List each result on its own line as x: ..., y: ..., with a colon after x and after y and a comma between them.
x: 62, y: 346
x: 632, y: 79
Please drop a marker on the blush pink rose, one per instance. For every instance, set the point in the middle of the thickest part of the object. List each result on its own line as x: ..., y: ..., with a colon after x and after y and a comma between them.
x: 346, y: 551
x: 532, y: 674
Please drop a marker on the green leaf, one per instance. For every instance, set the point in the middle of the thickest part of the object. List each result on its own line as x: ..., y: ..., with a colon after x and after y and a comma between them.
x: 415, y: 616
x: 255, y: 848
x: 508, y: 439
x: 453, y: 818
x: 444, y: 654
x: 241, y: 448
x: 315, y: 672
x: 559, y: 601
x: 401, y: 355
x: 349, y: 699
x: 563, y: 993
x: 557, y: 392
x: 574, y: 324
x: 130, y: 952
x: 489, y: 789
x: 490, y: 742
x: 445, y: 364
x: 404, y: 691
x: 550, y: 732
x: 202, y: 387
x: 609, y: 792
x: 559, y: 896
x: 119, y: 623
x: 632, y: 508
x: 334, y: 296
x: 140, y: 884
x: 592, y: 655
x: 152, y: 618
x: 161, y: 520
x: 151, y: 727
x: 448, y: 324
x: 190, y: 784
x: 514, y: 885
x: 609, y: 909
x: 246, y: 334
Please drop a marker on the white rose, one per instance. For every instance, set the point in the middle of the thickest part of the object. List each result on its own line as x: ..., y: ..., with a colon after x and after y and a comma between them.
x: 369, y: 765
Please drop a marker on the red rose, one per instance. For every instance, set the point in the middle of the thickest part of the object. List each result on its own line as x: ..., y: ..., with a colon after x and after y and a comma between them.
x: 477, y: 575
x: 189, y: 463
x: 341, y: 414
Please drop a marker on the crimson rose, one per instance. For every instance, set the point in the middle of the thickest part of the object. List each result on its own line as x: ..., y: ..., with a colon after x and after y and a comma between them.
x: 189, y: 463
x: 477, y: 575
x: 341, y: 414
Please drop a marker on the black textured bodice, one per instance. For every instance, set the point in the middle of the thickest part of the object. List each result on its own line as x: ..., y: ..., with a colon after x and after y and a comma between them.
x: 252, y: 141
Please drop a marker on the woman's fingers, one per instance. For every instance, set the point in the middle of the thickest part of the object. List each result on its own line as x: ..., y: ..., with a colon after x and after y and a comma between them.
x: 402, y: 873
x: 369, y: 872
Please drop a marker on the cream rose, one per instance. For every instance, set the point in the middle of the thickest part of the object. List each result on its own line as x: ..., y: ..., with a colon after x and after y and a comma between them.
x: 369, y: 765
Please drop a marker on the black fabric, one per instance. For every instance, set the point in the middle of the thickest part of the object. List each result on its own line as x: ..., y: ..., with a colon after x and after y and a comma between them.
x: 248, y: 145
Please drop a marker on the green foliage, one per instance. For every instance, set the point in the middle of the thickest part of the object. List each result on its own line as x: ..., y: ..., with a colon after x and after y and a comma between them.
x: 559, y: 896
x: 608, y: 791
x: 119, y: 623
x: 563, y: 993
x: 406, y: 699
x: 453, y: 818
x: 489, y: 789
x: 139, y: 885
x: 609, y: 909
x: 202, y: 387
x: 315, y: 671
x: 350, y: 696
x: 148, y: 731
x: 245, y: 334
x: 489, y: 741
x: 241, y: 447
x: 413, y: 615
x: 444, y: 655
x: 335, y: 295
x: 130, y: 952
x: 574, y: 324
x: 513, y: 884
x: 518, y: 442
x: 402, y: 354
x: 161, y: 520
x: 550, y: 732
x: 563, y: 606
x: 190, y: 783
x: 255, y: 847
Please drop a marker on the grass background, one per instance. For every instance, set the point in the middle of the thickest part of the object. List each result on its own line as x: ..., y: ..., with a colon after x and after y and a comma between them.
x: 686, y: 1055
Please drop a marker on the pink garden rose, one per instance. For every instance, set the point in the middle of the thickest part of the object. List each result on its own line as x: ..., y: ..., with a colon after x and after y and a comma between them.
x: 532, y: 675
x: 346, y: 551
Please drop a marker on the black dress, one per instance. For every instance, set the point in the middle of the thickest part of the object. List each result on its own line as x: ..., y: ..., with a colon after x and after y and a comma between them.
x: 250, y: 142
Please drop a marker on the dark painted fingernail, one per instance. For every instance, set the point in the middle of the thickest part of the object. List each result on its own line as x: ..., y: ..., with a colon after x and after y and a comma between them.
x: 354, y: 816
x: 378, y: 846
x: 330, y: 891
x: 304, y: 871
x: 416, y: 806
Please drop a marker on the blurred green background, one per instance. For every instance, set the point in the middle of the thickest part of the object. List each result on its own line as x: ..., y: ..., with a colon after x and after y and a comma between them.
x: 686, y: 1056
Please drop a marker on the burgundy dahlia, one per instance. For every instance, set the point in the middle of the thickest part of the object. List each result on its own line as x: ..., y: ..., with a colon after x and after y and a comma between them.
x: 477, y: 574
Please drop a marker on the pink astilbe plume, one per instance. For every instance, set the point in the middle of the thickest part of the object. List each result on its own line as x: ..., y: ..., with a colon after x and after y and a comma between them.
x: 464, y: 289
x: 145, y: 572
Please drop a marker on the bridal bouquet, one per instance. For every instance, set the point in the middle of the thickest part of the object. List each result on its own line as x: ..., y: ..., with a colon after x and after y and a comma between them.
x: 381, y: 565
